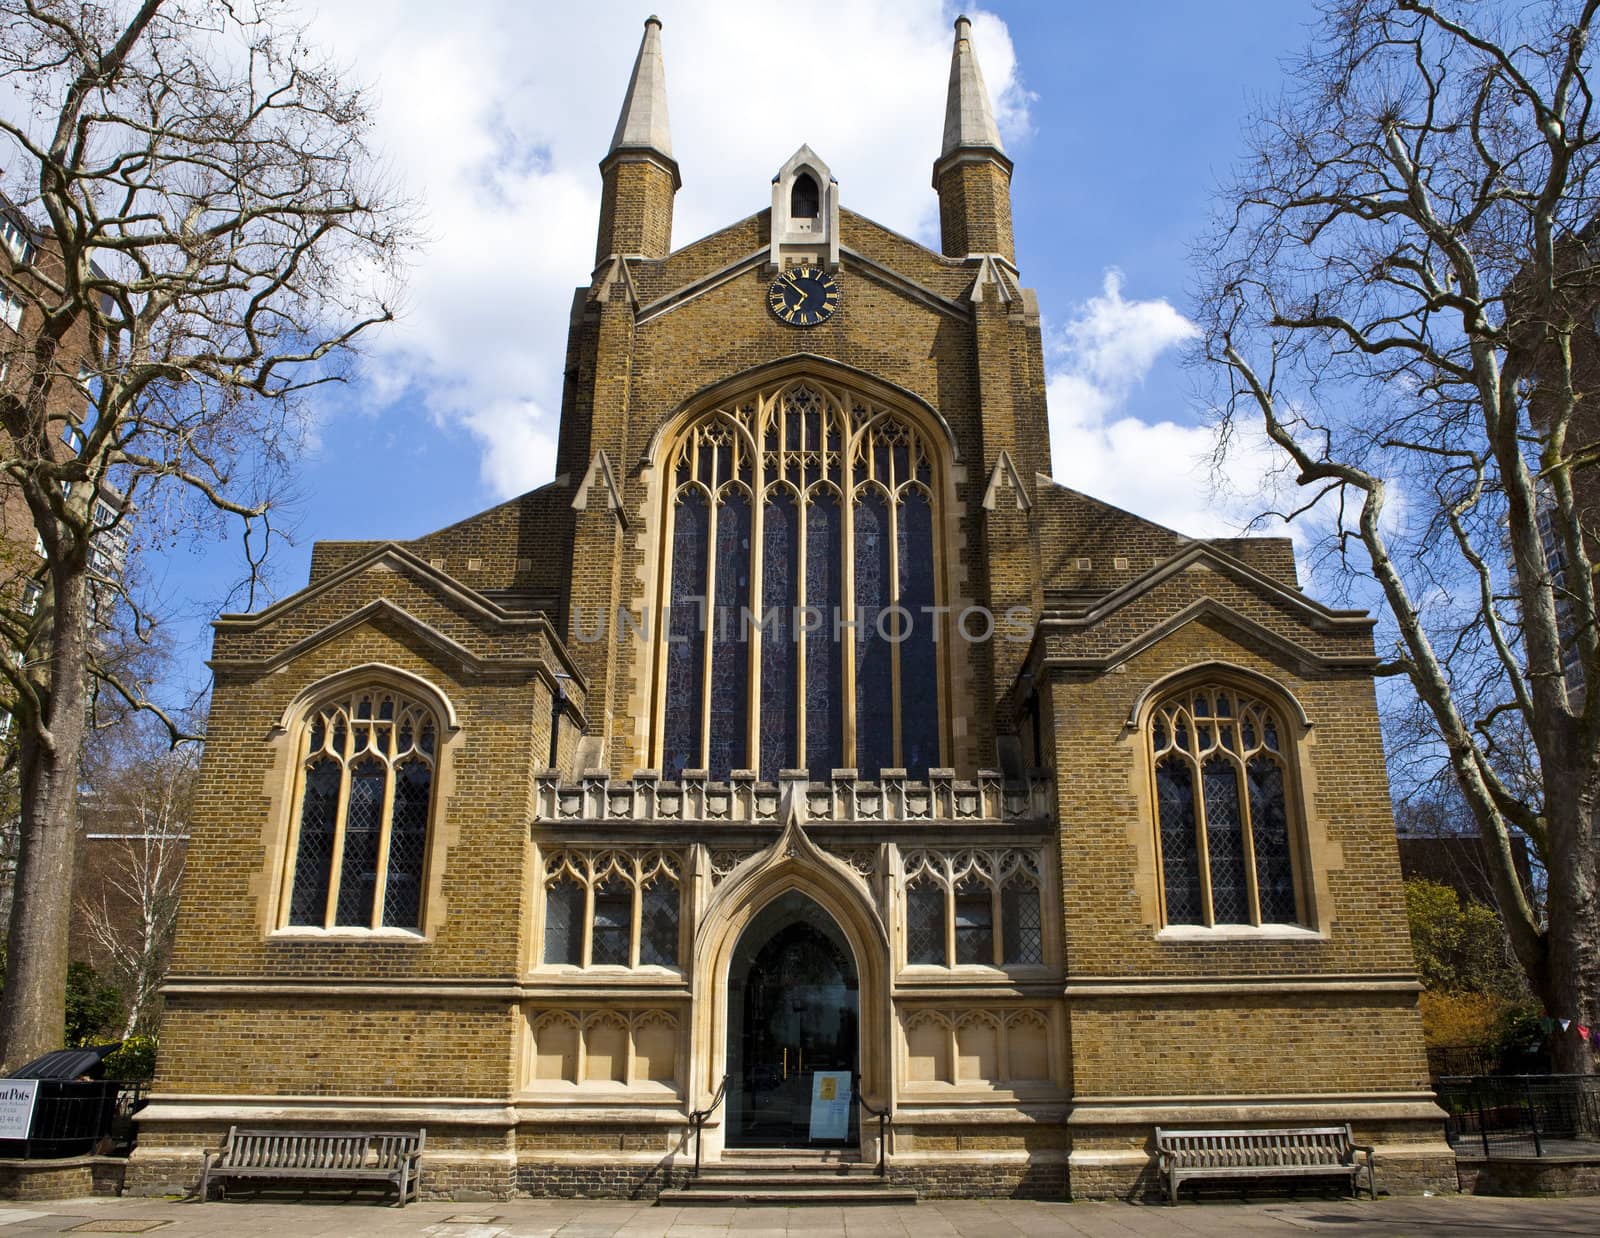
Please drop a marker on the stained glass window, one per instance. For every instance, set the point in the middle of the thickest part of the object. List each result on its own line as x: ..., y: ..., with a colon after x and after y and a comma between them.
x: 318, y: 821
x: 594, y: 897
x: 925, y: 924
x: 824, y: 698
x: 1274, y: 869
x: 831, y: 476
x: 1221, y: 799
x: 874, y: 654
x: 919, y: 664
x: 780, y: 648
x: 686, y: 624
x: 658, y: 924
x: 361, y: 849
x: 613, y: 923
x: 1179, y: 852
x: 1022, y: 926
x: 974, y: 921
x: 563, y: 923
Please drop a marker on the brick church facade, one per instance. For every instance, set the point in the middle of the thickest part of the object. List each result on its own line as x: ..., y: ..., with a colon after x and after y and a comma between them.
x: 801, y: 743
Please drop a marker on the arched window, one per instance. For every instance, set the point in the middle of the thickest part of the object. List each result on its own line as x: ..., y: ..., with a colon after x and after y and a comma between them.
x: 1222, y: 803
x: 367, y: 788
x: 611, y: 909
x: 801, y: 590
x: 805, y: 201
x: 990, y: 901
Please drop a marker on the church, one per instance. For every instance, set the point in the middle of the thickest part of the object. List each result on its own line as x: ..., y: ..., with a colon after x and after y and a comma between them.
x: 802, y: 777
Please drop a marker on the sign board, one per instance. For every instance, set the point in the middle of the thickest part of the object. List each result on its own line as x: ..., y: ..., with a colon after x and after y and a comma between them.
x: 16, y: 1107
x: 831, y: 1099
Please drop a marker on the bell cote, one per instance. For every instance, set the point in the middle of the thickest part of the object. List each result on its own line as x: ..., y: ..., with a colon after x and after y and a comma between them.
x: 805, y: 213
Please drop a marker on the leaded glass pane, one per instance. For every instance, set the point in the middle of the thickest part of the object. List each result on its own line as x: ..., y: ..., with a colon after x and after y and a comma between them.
x: 314, y: 861
x: 874, y: 671
x: 613, y: 923
x: 658, y: 924
x: 1230, y: 894
x: 730, y: 661
x: 974, y: 922
x: 780, y: 653
x: 408, y: 836
x: 1269, y: 825
x: 685, y: 643
x: 919, y: 666
x: 363, y: 827
x: 563, y: 923
x: 824, y: 654
x: 1180, y: 849
x: 1022, y: 928
x: 925, y: 924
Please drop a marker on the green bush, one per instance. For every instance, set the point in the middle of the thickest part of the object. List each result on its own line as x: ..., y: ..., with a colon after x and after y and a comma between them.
x: 135, y: 1062
x: 94, y: 1008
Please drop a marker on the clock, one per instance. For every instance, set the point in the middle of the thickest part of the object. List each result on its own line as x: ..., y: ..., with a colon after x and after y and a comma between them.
x: 803, y: 296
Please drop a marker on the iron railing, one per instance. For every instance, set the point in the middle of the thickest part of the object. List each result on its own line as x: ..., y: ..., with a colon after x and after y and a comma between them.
x: 883, y: 1124
x: 70, y: 1117
x: 1519, y: 1115
x: 698, y: 1119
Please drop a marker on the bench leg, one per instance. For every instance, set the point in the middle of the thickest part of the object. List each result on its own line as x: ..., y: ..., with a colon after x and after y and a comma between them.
x: 1172, y: 1189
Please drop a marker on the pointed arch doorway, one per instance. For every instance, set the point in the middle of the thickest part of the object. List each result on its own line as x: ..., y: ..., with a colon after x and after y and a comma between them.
x: 794, y: 1039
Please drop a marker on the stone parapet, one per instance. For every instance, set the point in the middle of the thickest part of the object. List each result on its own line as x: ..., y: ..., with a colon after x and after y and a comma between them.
x: 843, y: 797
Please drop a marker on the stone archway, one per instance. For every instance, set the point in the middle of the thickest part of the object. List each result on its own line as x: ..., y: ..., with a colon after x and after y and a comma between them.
x: 792, y: 866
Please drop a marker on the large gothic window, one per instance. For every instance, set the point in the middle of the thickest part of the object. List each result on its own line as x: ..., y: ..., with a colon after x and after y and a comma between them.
x: 1221, y: 792
x: 360, y: 845
x: 801, y: 590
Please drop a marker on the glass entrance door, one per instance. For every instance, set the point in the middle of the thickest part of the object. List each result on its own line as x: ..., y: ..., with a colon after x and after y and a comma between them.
x: 792, y: 1030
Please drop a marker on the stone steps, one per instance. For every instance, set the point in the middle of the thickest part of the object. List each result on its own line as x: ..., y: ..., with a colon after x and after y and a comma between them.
x: 781, y: 1179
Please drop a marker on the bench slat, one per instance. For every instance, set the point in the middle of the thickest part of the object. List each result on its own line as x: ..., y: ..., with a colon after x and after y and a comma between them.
x: 391, y: 1156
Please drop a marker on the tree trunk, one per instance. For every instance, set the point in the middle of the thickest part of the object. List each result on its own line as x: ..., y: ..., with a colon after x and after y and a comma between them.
x: 32, y: 1020
x: 1572, y: 987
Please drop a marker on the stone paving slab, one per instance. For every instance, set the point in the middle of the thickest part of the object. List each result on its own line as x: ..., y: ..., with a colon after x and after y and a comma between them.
x: 1445, y: 1216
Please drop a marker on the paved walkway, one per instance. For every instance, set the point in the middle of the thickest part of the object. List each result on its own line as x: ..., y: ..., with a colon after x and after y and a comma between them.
x: 1451, y: 1216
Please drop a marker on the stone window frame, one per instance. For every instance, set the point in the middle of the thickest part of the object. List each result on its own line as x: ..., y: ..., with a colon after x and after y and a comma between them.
x: 285, y: 786
x: 588, y: 869
x: 1003, y: 1021
x: 744, y: 416
x: 1165, y: 701
x: 580, y: 1023
x: 998, y: 868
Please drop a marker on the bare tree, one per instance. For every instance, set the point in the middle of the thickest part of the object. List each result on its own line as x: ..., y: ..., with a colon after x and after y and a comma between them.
x: 219, y: 234
x: 140, y: 801
x: 1402, y: 291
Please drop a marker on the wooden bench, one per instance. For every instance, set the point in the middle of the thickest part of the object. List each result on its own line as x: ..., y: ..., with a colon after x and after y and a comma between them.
x: 1305, y: 1151
x: 324, y: 1156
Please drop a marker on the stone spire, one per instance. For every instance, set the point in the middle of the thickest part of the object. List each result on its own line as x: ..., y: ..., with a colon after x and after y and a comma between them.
x: 972, y: 173
x: 639, y: 174
x: 968, y: 117
x: 643, y: 122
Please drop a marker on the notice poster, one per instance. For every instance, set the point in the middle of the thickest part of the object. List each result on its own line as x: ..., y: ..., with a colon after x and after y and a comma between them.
x: 16, y: 1107
x: 831, y: 1099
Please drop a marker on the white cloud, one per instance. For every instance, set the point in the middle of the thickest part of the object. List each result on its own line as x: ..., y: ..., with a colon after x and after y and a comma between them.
x: 1162, y: 470
x: 496, y: 119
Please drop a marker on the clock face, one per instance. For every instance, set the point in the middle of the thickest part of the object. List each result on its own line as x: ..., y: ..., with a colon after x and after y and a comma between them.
x: 804, y: 296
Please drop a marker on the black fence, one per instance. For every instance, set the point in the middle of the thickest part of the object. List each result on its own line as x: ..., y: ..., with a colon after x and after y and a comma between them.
x: 1519, y: 1115
x: 74, y: 1118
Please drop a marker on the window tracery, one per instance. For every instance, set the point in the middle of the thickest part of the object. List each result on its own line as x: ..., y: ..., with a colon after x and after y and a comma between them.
x: 612, y: 909
x: 801, y: 589
x: 954, y: 901
x: 360, y: 848
x: 1222, y: 805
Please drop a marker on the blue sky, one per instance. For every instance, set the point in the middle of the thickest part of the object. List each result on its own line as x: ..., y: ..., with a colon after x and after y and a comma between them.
x: 1121, y: 120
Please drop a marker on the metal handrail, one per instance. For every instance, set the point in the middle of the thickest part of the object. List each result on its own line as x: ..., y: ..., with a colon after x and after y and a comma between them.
x: 697, y: 1120
x: 883, y: 1124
